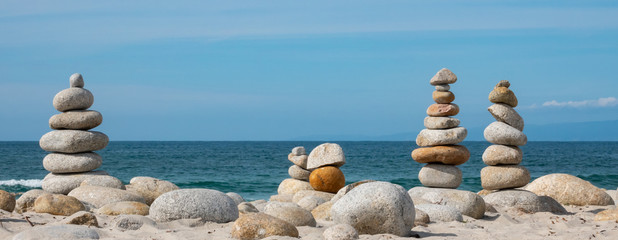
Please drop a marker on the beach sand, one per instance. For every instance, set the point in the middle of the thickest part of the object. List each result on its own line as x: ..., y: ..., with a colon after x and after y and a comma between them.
x: 579, y: 224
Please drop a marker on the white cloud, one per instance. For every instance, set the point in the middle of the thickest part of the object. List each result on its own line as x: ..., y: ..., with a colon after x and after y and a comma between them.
x: 601, y: 102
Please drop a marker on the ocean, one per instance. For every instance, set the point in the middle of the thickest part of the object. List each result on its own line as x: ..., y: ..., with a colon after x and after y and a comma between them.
x: 255, y: 169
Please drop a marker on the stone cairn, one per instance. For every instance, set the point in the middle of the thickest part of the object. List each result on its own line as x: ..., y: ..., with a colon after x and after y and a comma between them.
x: 324, y: 162
x: 438, y: 141
x: 506, y: 134
x: 72, y: 159
x: 299, y: 171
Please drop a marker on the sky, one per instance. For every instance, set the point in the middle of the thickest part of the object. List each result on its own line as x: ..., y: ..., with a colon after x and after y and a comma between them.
x: 282, y: 70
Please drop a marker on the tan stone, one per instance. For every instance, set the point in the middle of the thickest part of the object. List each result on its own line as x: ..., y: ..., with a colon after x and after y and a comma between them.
x: 305, y: 193
x: 502, y: 154
x: 607, y: 215
x: 150, y: 188
x: 261, y: 225
x: 98, y: 197
x: 327, y: 179
x: 58, y: 204
x: 444, y: 76
x: 124, y: 208
x: 451, y: 155
x: 292, y: 186
x: 281, y: 198
x: 503, y: 95
x: 322, y: 212
x: 504, y: 176
x: 290, y: 212
x: 25, y: 202
x: 442, y: 110
x: 569, y: 190
x: 443, y: 97
x: 82, y: 218
x: 7, y: 201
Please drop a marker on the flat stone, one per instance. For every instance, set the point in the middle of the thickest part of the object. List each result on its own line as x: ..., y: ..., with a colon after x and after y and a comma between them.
x: 376, y: 208
x: 450, y: 154
x: 428, y: 137
x: 73, y: 99
x: 310, y: 202
x: 501, y: 155
x: 76, y: 120
x: 131, y: 222
x: 63, y: 183
x: 7, y: 201
x: 25, y: 203
x: 326, y: 154
x: 82, y: 218
x: 441, y: 213
x: 569, y: 190
x: 98, y: 197
x: 607, y: 215
x: 521, y: 201
x: 506, y: 114
x: 327, y: 179
x: 340, y: 232
x: 468, y: 203
x: 103, y: 181
x: 292, y: 186
x: 442, y: 110
x: 290, y: 212
x: 299, y: 173
x: 236, y: 197
x: 503, y: 95
x: 260, y: 225
x: 440, y: 175
x: 73, y: 141
x: 444, y: 76
x: 150, y: 188
x: 207, y: 204
x: 67, y: 232
x: 322, y: 211
x: 298, y: 151
x: 503, y: 134
x: 443, y: 97
x: 124, y: 208
x: 300, y: 161
x: 72, y: 162
x: 306, y: 193
x: 504, y: 176
x: 76, y: 80
x: 58, y: 204
x: 444, y: 87
x: 441, y: 122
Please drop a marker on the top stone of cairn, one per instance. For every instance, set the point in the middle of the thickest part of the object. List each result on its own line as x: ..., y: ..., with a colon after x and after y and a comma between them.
x: 76, y: 80
x: 444, y: 76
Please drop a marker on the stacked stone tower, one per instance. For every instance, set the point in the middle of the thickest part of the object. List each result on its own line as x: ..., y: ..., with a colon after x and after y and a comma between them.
x: 71, y: 143
x: 324, y: 162
x: 299, y: 171
x: 439, y: 140
x: 506, y: 134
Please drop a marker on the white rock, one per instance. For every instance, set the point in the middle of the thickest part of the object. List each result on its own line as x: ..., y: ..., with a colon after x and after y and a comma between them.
x: 209, y: 205
x: 310, y: 202
x: 503, y: 134
x: 506, y: 114
x: 65, y: 182
x: 297, y: 172
x: 468, y: 203
x: 440, y: 175
x: 305, y: 193
x: 443, y: 88
x: 73, y: 141
x: 326, y: 154
x: 76, y: 120
x: 504, y: 176
x: 441, y: 122
x: 67, y: 231
x: 290, y: 212
x: 72, y: 162
x: 297, y: 151
x: 444, y: 76
x: 150, y: 188
x: 103, y: 181
x: 501, y: 155
x: 441, y: 213
x: 340, y: 232
x: 73, y: 99
x: 292, y: 186
x: 523, y: 201
x: 97, y: 197
x: 429, y: 137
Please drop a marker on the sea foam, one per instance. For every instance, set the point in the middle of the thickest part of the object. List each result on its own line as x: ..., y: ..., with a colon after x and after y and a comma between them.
x: 23, y: 182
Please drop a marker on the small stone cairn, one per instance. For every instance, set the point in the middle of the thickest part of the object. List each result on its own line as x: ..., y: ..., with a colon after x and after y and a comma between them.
x: 71, y: 143
x: 438, y: 141
x: 506, y: 134
x: 324, y: 162
x: 299, y: 171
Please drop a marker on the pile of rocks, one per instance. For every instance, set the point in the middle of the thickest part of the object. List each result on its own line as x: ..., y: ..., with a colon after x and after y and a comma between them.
x: 72, y: 159
x: 506, y: 134
x: 438, y: 141
x: 299, y: 171
x: 324, y: 162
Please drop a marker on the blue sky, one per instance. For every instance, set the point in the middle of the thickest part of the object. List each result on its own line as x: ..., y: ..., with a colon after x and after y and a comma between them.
x: 279, y: 70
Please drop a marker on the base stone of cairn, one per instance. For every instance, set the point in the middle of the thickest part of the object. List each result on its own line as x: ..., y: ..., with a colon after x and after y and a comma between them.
x: 324, y: 162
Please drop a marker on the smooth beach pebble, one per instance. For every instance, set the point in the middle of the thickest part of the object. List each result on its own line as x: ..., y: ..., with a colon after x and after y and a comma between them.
x: 440, y: 122
x: 290, y: 212
x: 65, y: 231
x: 297, y: 172
x: 73, y: 99
x: 150, y: 188
x: 504, y: 176
x: 444, y: 87
x: 300, y: 161
x: 305, y: 193
x: 340, y: 232
x: 7, y: 201
x: 327, y: 179
x: 443, y: 97
x: 441, y: 213
x: 501, y: 154
x: 442, y: 110
x: 468, y: 203
x: 72, y: 162
x: 503, y: 134
x: 261, y: 225
x: 326, y: 154
x: 97, y: 196
x: 292, y: 186
x: 209, y: 205
x: 444, y: 76
x: 450, y: 154
x: 521, y: 200
x: 322, y: 212
x: 76, y: 80
x: 506, y: 114
x: 430, y: 137
x: 65, y: 182
x: 25, y: 203
x: 58, y: 204
x: 103, y: 181
x: 297, y: 151
x: 310, y: 202
x: 73, y: 141
x: 440, y: 175
x: 503, y: 95
x: 569, y: 190
x: 76, y: 120
x: 124, y: 208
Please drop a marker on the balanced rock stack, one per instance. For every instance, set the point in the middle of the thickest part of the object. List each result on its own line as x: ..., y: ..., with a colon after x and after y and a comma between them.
x: 439, y: 140
x: 72, y: 159
x: 506, y: 134
x: 299, y: 171
x: 324, y: 162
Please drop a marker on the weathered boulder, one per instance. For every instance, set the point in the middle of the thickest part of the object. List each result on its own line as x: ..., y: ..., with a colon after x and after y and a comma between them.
x: 326, y: 154
x: 503, y: 134
x: 504, y: 176
x: 421, y: 217
x: 292, y: 186
x: 72, y: 162
x: 443, y: 87
x: 150, y: 188
x: 73, y: 141
x: 73, y: 99
x: 569, y: 190
x: 327, y: 179
x: 124, y: 208
x: 63, y: 183
x: 58, y: 204
x: 259, y: 225
x: 440, y: 175
x: 290, y: 212
x: 450, y: 155
x: 210, y: 205
x: 300, y: 160
x: 340, y: 232
x: 76, y: 120
x: 468, y: 203
x: 98, y: 197
x: 76, y: 80
x: 343, y: 191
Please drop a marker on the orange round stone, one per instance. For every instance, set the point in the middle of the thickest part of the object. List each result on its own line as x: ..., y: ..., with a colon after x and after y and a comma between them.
x: 327, y: 179
x: 443, y: 97
x: 449, y: 154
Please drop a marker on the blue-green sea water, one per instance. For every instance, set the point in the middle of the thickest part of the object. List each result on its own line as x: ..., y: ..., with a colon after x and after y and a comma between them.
x: 255, y: 169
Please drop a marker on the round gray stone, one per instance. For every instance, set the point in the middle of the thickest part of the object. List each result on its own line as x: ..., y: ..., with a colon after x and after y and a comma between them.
x: 98, y: 197
x: 73, y: 141
x: 522, y: 200
x: 503, y: 134
x: 441, y: 213
x: 429, y: 137
x: 443, y: 88
x: 66, y: 231
x: 76, y: 120
x: 468, y: 203
x: 441, y: 122
x: 63, y: 183
x: 297, y: 172
x: 376, y: 208
x: 103, y: 181
x: 326, y: 154
x: 444, y: 76
x: 210, y: 205
x: 506, y: 114
x: 501, y: 154
x: 76, y: 80
x: 440, y: 175
x: 72, y: 162
x: 73, y: 99
x: 290, y: 212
